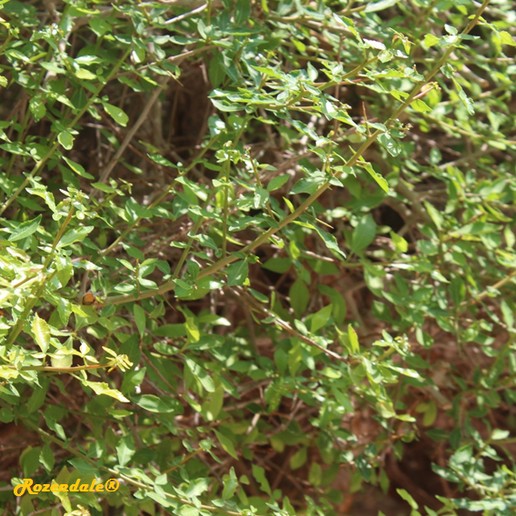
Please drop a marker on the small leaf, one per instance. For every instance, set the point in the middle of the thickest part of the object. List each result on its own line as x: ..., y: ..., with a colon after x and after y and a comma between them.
x: 66, y: 139
x: 434, y: 214
x: 277, y: 182
x: 117, y: 114
x: 227, y: 445
x: 466, y: 101
x: 430, y: 40
x: 77, y: 168
x: 507, y: 313
x: 47, y: 458
x: 152, y: 403
x: 430, y: 414
x: 353, y: 339
x: 259, y: 476
x: 75, y: 235
x: 331, y: 243
x: 399, y: 242
x: 25, y: 229
x: 230, y: 483
x: 420, y: 106
x: 192, y: 330
x: 408, y: 498
x: 372, y: 43
x: 37, y: 108
x: 372, y: 7
x: 125, y: 450
x: 139, y: 319
x: 299, y: 458
x: 382, y: 182
x: 299, y: 296
x: 62, y: 358
x: 278, y: 265
x: 200, y: 374
x: 237, y: 273
x: 389, y: 143
x: 320, y: 318
x: 41, y: 332
x: 315, y: 474
x: 506, y: 38
x: 213, y: 405
x: 363, y: 234
x: 85, y: 75
x: 103, y: 388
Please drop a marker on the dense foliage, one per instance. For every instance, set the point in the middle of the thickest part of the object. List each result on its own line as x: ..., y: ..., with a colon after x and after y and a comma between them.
x: 256, y: 257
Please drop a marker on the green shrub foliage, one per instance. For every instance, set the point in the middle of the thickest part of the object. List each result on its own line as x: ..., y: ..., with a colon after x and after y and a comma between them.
x: 256, y: 257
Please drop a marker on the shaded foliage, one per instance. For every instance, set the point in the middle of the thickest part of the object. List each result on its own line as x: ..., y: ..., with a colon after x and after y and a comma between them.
x: 257, y: 256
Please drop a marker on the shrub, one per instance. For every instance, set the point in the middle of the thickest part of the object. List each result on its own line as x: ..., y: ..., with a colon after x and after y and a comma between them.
x: 254, y: 254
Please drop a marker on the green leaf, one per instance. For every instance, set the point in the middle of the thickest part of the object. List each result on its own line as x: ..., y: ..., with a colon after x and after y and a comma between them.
x: 436, y: 217
x: 171, y: 330
x: 408, y: 498
x: 315, y: 474
x: 507, y: 313
x: 77, y: 168
x: 430, y: 40
x: 66, y: 139
x: 420, y: 106
x: 299, y: 458
x: 299, y: 296
x: 506, y: 38
x: 430, y: 414
x: 117, y: 114
x: 353, y: 340
x: 237, y: 273
x: 331, y: 243
x: 41, y: 332
x: 62, y: 358
x: 277, y: 182
x: 260, y: 477
x: 37, y: 108
x: 64, y: 498
x: 192, y: 330
x: 125, y: 450
x: 37, y: 398
x: 380, y: 180
x: 25, y: 229
x: 372, y: 7
x: 400, y: 244
x: 230, y: 483
x: 139, y: 319
x: 47, y: 458
x: 200, y: 374
x: 466, y: 101
x: 41, y: 191
x: 337, y: 302
x: 84, y: 75
x: 227, y: 444
x: 216, y: 70
x: 389, y: 143
x: 320, y: 318
x: 103, y: 388
x: 213, y: 405
x: 157, y: 405
x: 278, y: 265
x: 363, y: 234
x: 75, y: 235
x: 30, y: 460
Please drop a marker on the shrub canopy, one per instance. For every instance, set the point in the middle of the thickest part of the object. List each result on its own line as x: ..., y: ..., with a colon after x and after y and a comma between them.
x: 256, y: 256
